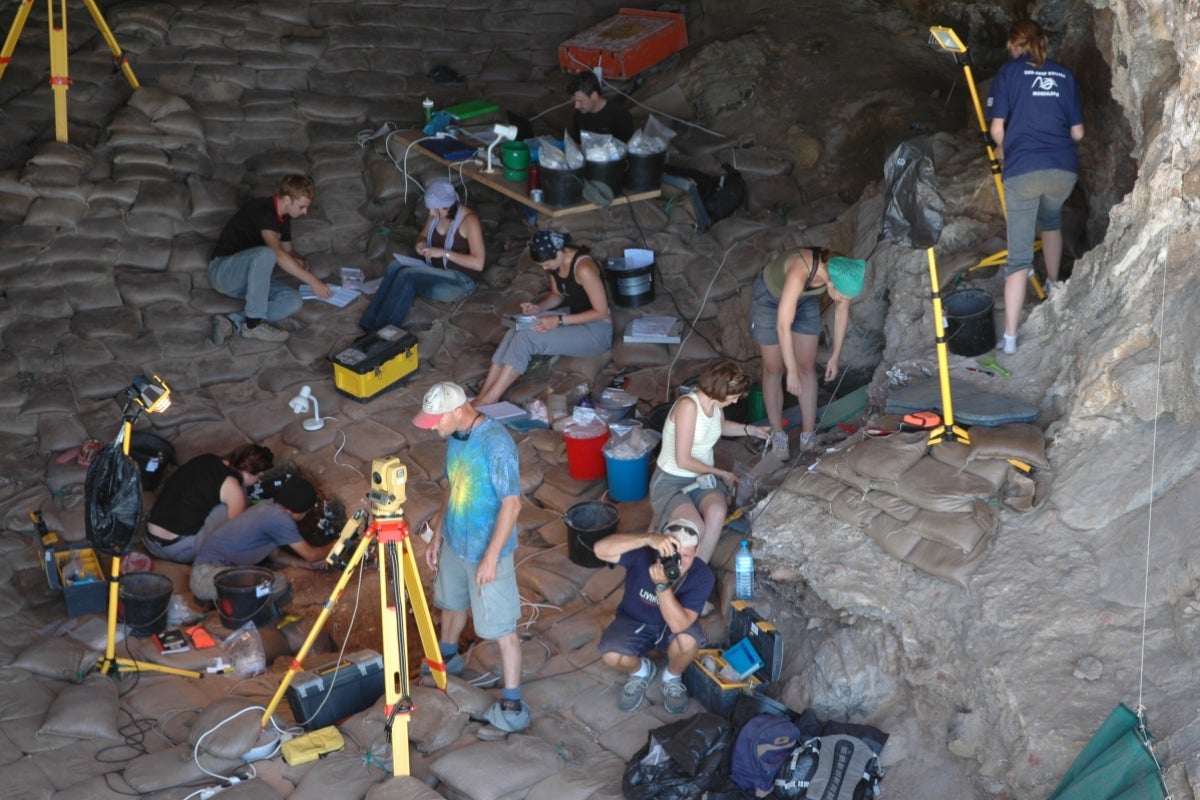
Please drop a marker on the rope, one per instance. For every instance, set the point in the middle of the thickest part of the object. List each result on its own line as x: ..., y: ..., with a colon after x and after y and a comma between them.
x: 1162, y: 305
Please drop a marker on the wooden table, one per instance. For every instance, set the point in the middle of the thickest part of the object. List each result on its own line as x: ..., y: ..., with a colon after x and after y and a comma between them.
x: 475, y: 170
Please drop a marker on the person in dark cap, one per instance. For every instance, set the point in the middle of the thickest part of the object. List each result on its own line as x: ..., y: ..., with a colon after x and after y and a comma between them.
x: 474, y: 537
x: 785, y: 320
x: 572, y: 317
x: 255, y: 535
x: 451, y: 242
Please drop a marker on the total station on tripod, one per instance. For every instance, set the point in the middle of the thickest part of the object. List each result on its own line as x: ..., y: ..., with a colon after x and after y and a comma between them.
x: 386, y: 495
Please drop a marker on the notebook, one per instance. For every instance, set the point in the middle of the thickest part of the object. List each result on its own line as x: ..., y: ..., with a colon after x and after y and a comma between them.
x: 449, y: 148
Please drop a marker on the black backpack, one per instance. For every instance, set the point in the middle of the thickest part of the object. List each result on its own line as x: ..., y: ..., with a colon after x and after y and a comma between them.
x: 714, y: 197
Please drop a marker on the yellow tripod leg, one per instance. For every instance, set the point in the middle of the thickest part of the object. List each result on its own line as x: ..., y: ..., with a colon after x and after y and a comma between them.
x: 60, y: 80
x: 298, y: 662
x: 118, y: 56
x: 397, y: 700
x: 14, y: 34
x: 420, y: 606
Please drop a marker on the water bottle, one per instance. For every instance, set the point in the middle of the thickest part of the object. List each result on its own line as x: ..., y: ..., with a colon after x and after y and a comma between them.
x: 743, y: 566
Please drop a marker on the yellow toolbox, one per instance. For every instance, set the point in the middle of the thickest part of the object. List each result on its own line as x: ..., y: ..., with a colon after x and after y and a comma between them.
x: 375, y: 363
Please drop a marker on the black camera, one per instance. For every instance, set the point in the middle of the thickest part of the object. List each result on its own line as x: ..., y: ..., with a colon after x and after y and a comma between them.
x: 670, y: 566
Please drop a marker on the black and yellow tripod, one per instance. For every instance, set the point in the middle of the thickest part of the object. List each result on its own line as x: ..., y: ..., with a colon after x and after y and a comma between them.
x: 946, y: 39
x: 60, y: 80
x: 387, y: 527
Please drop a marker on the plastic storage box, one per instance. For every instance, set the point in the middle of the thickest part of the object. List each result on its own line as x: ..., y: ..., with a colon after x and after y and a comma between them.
x: 86, y: 595
x: 374, y: 363
x: 353, y: 685
x: 624, y: 45
x: 719, y: 694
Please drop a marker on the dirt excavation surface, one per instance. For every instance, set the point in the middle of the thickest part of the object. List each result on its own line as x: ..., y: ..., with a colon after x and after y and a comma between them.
x: 986, y: 618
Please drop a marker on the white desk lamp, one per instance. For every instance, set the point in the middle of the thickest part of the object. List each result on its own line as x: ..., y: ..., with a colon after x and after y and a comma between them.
x: 299, y: 404
x: 503, y: 133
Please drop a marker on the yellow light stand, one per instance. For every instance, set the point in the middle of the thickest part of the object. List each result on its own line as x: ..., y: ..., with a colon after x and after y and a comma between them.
x: 60, y: 80
x: 947, y: 40
x: 947, y: 431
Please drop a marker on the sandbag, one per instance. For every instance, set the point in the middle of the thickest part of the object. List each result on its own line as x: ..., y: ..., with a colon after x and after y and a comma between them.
x: 88, y: 711
x: 492, y: 770
x: 934, y: 486
x: 341, y: 775
x: 227, y: 728
x: 1020, y: 440
x: 851, y: 507
x: 886, y: 458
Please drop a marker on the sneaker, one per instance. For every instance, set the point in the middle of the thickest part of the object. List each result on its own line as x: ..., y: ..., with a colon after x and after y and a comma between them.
x: 510, y: 716
x: 264, y: 332
x: 808, y: 441
x: 480, y: 680
x: 675, y: 696
x: 779, y: 444
x: 1010, y: 344
x: 454, y: 666
x: 222, y: 328
x: 635, y: 689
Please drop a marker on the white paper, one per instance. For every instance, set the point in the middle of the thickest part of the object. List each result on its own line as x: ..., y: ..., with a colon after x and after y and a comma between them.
x: 409, y: 261
x: 502, y: 411
x: 341, y: 296
x: 651, y: 325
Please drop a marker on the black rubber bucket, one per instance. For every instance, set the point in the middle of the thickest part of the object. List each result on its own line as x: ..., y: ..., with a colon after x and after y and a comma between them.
x: 609, y: 172
x: 562, y: 187
x: 143, y: 600
x: 588, y: 523
x: 645, y: 171
x: 244, y: 595
x: 630, y: 282
x: 970, y: 326
x: 152, y: 454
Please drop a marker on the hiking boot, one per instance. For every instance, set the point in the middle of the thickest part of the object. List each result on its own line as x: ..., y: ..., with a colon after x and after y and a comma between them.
x: 510, y: 716
x: 264, y: 332
x: 222, y: 328
x: 675, y: 696
x: 779, y: 445
x: 1010, y: 344
x: 635, y: 689
x: 454, y: 666
x: 808, y: 441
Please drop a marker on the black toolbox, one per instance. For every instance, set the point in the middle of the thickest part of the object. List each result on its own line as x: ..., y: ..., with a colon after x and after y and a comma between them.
x: 718, y: 693
x: 352, y: 685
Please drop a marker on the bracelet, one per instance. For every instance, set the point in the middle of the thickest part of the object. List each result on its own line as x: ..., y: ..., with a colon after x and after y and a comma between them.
x: 562, y: 319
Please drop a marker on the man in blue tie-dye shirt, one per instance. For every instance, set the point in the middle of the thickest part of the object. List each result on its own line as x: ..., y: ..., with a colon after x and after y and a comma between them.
x: 473, y: 543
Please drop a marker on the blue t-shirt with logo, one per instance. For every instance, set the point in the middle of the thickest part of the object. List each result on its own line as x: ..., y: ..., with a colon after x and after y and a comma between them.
x: 1039, y: 105
x: 482, y: 468
x: 640, y: 602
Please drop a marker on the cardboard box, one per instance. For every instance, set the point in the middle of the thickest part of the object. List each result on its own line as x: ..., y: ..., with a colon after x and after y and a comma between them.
x: 352, y: 685
x: 374, y: 363
x: 84, y: 594
x: 624, y: 45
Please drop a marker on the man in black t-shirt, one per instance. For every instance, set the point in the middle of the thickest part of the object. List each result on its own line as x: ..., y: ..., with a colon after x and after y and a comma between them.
x: 595, y: 113
x: 254, y: 241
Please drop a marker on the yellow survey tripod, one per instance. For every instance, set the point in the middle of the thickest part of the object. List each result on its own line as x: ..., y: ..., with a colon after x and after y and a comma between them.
x: 388, y: 527
x: 60, y: 80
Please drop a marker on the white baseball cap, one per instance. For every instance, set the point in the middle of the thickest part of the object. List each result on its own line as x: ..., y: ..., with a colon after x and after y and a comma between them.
x: 441, y: 399
x: 684, y: 531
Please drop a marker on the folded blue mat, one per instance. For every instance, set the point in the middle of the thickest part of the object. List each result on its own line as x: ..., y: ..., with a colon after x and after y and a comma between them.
x: 972, y: 405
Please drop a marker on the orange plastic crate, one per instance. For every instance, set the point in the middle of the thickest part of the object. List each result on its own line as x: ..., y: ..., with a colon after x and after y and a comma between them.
x: 624, y: 45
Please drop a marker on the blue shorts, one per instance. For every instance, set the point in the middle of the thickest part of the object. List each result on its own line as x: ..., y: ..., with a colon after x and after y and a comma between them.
x: 764, y: 312
x: 628, y: 637
x: 495, y: 608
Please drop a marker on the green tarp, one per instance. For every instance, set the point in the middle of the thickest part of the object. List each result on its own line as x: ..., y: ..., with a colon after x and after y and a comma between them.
x: 1115, y: 765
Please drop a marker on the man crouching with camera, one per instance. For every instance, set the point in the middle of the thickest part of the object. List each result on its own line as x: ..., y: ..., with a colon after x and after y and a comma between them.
x: 665, y: 590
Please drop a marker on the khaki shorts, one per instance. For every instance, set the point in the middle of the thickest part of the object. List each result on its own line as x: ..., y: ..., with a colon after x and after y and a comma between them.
x: 495, y: 608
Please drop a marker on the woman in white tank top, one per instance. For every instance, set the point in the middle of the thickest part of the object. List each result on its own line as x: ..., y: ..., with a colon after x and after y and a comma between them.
x: 686, y: 482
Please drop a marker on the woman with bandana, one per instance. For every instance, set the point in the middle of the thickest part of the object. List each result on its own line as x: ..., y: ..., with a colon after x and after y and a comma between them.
x: 451, y: 244
x: 580, y: 326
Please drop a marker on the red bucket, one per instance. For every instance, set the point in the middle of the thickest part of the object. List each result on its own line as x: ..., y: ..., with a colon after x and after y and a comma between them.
x: 585, y: 451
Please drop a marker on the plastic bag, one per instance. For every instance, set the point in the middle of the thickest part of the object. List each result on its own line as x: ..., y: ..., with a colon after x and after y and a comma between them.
x: 113, y: 488
x: 914, y: 210
x: 651, y: 139
x: 601, y: 147
x: 680, y: 761
x: 245, y: 650
x: 631, y: 444
x: 574, y: 156
x: 180, y: 612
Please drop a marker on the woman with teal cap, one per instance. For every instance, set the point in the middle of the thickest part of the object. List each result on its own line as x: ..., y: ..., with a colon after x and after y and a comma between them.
x: 785, y: 321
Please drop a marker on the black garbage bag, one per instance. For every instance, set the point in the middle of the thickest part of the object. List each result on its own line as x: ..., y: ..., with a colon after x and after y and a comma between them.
x: 680, y: 761
x: 113, y: 494
x: 914, y: 211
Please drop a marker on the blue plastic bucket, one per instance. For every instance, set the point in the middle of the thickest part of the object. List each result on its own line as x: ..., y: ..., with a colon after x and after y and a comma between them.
x: 628, y: 478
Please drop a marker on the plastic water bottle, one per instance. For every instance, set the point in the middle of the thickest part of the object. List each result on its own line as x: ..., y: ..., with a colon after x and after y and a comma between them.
x: 743, y: 567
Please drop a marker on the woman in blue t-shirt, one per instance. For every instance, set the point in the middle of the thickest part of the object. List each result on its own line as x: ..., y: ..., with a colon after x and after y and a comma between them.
x: 1036, y: 122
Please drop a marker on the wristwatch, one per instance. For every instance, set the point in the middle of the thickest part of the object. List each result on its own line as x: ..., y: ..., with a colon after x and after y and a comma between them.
x: 659, y: 588
x: 562, y: 319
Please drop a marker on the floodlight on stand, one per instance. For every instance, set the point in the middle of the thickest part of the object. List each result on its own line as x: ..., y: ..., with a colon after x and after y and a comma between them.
x: 946, y: 39
x: 299, y: 405
x: 503, y: 133
x: 153, y: 395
